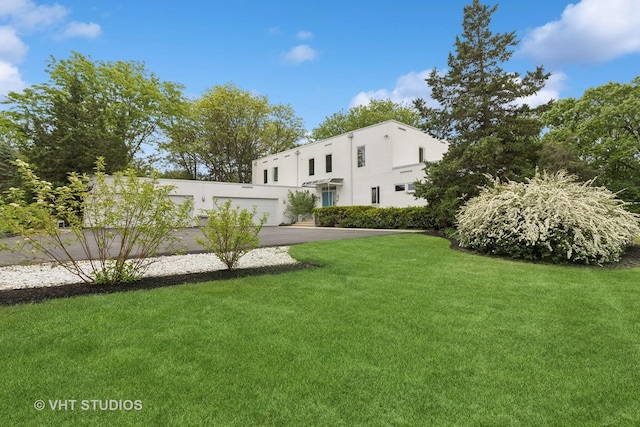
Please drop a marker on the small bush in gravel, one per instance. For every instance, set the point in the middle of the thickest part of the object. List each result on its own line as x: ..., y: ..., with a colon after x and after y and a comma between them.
x: 550, y: 217
x: 230, y: 232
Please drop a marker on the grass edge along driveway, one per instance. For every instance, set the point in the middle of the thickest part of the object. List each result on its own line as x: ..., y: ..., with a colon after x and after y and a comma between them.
x: 393, y: 330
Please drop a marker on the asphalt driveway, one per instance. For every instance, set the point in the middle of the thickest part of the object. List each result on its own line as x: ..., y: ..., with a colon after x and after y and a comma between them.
x: 269, y: 236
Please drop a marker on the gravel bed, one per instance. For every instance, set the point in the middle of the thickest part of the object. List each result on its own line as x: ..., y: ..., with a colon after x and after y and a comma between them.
x: 43, y: 275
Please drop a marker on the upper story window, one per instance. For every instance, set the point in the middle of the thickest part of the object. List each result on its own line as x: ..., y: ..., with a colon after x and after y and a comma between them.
x: 361, y: 156
x: 328, y: 163
x: 312, y: 167
x: 421, y: 155
x: 275, y: 174
x: 265, y: 176
x: 408, y: 187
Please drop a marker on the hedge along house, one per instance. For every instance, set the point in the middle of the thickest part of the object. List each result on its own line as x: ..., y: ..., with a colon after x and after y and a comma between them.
x: 376, y: 165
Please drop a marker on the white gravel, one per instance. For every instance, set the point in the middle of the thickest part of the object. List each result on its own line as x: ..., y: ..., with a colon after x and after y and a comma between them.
x: 38, y: 275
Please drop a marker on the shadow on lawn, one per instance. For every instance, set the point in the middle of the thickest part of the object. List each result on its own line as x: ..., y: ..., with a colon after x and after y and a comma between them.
x: 36, y: 295
x: 630, y: 259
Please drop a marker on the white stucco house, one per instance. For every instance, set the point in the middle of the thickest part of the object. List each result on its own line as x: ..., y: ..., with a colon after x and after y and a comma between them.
x: 375, y: 165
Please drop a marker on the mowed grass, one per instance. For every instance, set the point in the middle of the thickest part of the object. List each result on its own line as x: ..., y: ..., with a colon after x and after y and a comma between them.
x: 394, y: 330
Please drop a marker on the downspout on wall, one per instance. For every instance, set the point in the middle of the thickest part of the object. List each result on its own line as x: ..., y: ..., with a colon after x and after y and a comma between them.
x: 298, y: 168
x: 350, y: 136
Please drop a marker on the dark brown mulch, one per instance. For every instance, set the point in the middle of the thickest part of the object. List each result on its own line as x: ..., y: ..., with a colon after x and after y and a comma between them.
x: 36, y: 295
x: 630, y: 259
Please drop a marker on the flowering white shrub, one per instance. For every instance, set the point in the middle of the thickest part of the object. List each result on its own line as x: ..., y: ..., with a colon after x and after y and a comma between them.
x: 551, y: 217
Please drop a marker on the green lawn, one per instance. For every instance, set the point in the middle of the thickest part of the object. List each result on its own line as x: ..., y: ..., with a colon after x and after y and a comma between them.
x: 395, y: 330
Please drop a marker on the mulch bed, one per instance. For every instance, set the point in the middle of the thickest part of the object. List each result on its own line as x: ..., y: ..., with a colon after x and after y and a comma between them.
x: 37, y: 295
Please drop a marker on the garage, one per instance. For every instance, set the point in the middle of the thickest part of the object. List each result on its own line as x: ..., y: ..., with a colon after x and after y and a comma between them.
x: 268, y: 206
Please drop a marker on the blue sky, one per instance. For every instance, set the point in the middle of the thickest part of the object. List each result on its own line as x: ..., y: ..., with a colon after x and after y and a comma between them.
x: 320, y: 57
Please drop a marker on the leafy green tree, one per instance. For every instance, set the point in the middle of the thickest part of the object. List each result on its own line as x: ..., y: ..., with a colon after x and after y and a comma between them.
x: 219, y: 135
x: 119, y: 222
x: 376, y: 111
x: 601, y: 134
x: 183, y: 145
x: 9, y: 135
x: 230, y: 232
x: 8, y: 170
x: 90, y: 109
x: 482, y: 116
x: 300, y: 203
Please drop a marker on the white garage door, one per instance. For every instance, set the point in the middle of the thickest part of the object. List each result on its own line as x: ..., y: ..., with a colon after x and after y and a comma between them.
x: 268, y: 206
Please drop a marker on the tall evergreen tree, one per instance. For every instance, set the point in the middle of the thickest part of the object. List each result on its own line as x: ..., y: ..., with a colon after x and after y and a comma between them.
x: 481, y: 114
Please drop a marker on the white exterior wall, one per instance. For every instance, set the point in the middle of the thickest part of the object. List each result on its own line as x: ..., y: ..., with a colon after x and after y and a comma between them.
x: 391, y: 157
x: 203, y: 193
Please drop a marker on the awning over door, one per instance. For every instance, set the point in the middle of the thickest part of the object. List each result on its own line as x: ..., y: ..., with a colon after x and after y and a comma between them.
x: 323, y: 182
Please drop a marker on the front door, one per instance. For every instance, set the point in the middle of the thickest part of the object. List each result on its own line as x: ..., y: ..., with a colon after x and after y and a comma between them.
x: 328, y: 197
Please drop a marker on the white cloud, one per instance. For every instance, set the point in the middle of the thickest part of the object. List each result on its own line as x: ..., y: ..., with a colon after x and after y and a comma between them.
x: 300, y: 53
x: 25, y: 14
x: 22, y: 17
x: 12, y: 7
x: 408, y: 87
x: 412, y: 85
x: 588, y: 32
x: 42, y: 17
x: 274, y: 31
x: 15, y: 7
x: 10, y: 79
x: 81, y: 29
x: 551, y: 90
x: 304, y: 35
x: 12, y: 49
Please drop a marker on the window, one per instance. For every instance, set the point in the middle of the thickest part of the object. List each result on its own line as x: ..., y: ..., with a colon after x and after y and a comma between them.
x: 275, y: 174
x: 421, y: 155
x: 408, y: 187
x: 375, y: 195
x: 265, y: 174
x: 312, y: 167
x: 329, y: 165
x: 361, y: 152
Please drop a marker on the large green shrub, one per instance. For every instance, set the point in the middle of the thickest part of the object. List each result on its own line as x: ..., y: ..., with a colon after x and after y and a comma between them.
x: 119, y: 222
x: 333, y: 216
x: 373, y: 217
x: 230, y: 232
x: 550, y: 217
